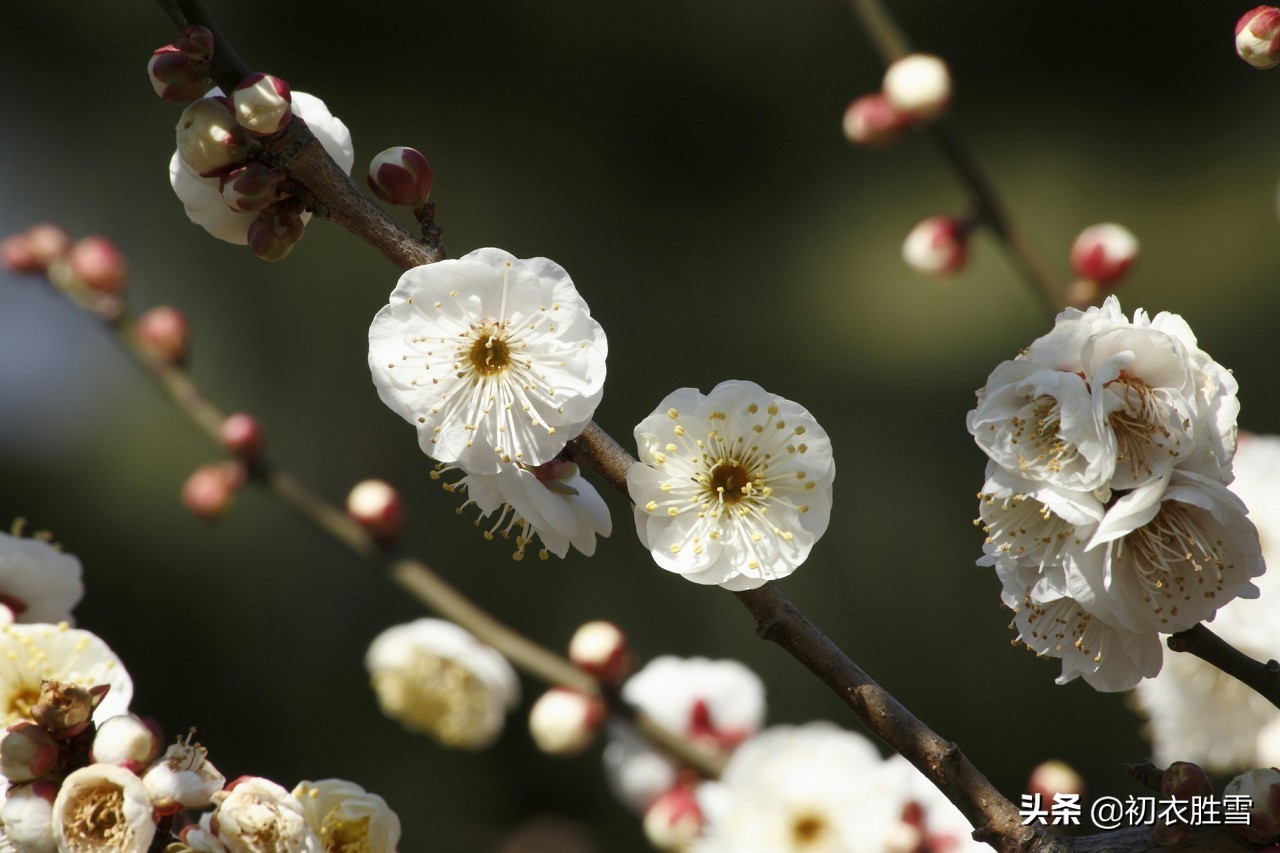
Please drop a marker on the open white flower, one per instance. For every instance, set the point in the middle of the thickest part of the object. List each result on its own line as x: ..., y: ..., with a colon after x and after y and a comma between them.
x: 1109, y: 658
x: 551, y: 502
x: 492, y: 358
x: 38, y: 583
x: 30, y: 654
x: 183, y: 777
x: 256, y: 814
x: 202, y: 197
x: 436, y: 678
x: 346, y: 817
x: 103, y: 807
x: 718, y: 703
x: 732, y: 488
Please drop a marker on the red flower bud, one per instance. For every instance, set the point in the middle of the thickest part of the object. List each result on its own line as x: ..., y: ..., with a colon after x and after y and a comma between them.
x: 401, y: 176
x: 165, y: 333
x: 1258, y: 37
x: 377, y: 507
x: 98, y: 263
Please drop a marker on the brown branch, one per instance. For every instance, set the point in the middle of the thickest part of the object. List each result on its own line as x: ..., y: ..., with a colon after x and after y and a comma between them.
x: 1209, y: 647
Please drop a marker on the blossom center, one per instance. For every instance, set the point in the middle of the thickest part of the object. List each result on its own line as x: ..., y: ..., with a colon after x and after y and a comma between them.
x: 490, y: 353
x: 732, y: 482
x: 1142, y: 423
x: 807, y: 830
x: 20, y: 703
x: 95, y: 820
x: 1171, y: 551
x: 345, y: 836
x: 1051, y: 450
x: 435, y: 696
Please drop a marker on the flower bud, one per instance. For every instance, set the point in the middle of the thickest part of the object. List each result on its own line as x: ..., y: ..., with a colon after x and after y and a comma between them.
x: 275, y: 231
x: 565, y: 722
x: 377, y: 507
x: 27, y: 815
x: 64, y: 710
x: 1050, y: 778
x: 401, y: 176
x: 210, y: 141
x: 16, y: 254
x: 872, y: 120
x: 242, y: 435
x: 45, y: 244
x: 196, y: 43
x: 1185, y: 780
x: 27, y: 752
x: 918, y: 85
x: 1262, y: 787
x: 209, y: 490
x: 98, y: 263
x: 165, y: 333
x: 1258, y: 37
x: 601, y: 649
x: 126, y: 741
x: 673, y: 820
x: 1104, y: 253
x: 263, y: 105
x: 937, y: 246
x: 176, y: 77
x: 252, y: 187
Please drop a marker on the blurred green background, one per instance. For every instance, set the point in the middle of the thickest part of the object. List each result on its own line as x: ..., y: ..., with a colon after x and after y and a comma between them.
x: 684, y: 162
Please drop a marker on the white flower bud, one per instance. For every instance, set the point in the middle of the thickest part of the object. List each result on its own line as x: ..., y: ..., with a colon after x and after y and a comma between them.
x: 1262, y: 787
x: 919, y: 85
x: 346, y: 817
x: 27, y: 816
x: 210, y: 141
x: 1050, y: 778
x: 254, y: 808
x: 183, y: 778
x: 936, y: 246
x: 263, y: 104
x: 565, y: 722
x: 1258, y: 37
x: 601, y: 649
x: 102, y: 807
x: 377, y: 507
x: 1103, y: 253
x: 27, y: 752
x: 127, y: 741
x: 872, y: 120
x: 164, y: 331
x: 674, y: 820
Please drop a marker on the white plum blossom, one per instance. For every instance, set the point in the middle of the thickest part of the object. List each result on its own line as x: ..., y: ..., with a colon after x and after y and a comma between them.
x: 202, y: 197
x: 256, y: 814
x: 820, y: 789
x: 183, y: 777
x: 552, y: 503
x: 731, y: 488
x: 436, y: 678
x: 102, y: 807
x: 1108, y: 520
x: 346, y: 817
x: 38, y: 582
x: 492, y: 358
x: 716, y: 703
x: 1197, y: 712
x: 30, y: 654
x: 27, y: 817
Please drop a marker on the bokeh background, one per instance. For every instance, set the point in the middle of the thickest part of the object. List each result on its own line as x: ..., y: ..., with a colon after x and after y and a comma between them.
x: 684, y: 162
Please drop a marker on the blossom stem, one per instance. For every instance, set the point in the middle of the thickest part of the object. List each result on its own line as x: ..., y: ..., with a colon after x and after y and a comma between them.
x: 987, y: 206
x: 1209, y: 647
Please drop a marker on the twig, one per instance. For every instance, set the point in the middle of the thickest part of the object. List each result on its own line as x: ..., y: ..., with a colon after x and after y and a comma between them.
x: 1209, y: 647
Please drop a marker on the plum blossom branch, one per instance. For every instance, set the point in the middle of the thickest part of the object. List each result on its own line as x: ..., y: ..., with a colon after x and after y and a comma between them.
x: 1209, y: 647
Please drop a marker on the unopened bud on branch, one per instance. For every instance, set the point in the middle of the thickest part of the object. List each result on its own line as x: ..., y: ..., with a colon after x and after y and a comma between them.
x: 937, y: 246
x: 98, y: 263
x: 210, y: 141
x: 126, y: 741
x: 263, y: 104
x: 872, y: 120
x: 401, y: 176
x: 208, y: 492
x: 378, y: 508
x: 601, y: 649
x: 673, y: 821
x: 1103, y: 253
x: 165, y: 333
x: 275, y: 231
x: 252, y: 187
x: 34, y: 249
x: 242, y: 435
x: 565, y: 722
x: 1258, y: 37
x: 918, y: 85
x: 1050, y: 778
x: 179, y: 72
x: 27, y: 752
x: 1262, y: 788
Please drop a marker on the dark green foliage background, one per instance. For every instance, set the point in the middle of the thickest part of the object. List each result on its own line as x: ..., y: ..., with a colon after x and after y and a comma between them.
x: 684, y: 162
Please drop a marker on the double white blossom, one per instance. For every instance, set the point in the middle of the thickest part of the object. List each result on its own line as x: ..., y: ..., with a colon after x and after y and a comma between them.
x: 1110, y: 444
x: 731, y: 488
x: 495, y: 360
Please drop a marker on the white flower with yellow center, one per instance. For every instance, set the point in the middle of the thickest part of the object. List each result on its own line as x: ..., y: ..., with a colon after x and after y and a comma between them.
x: 38, y: 582
x: 30, y: 654
x: 732, y: 488
x: 255, y: 815
x: 103, y: 807
x: 1107, y: 657
x: 551, y: 502
x: 345, y: 817
x: 492, y: 358
x: 436, y: 678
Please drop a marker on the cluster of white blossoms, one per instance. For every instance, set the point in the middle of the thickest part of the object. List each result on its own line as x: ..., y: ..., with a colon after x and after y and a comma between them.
x: 733, y: 487
x: 1197, y: 712
x: 1107, y: 515
x: 437, y: 679
x: 498, y: 363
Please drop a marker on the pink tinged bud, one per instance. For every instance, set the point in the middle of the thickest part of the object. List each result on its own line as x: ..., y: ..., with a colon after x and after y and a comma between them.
x: 918, y: 85
x: 871, y: 120
x: 1104, y: 253
x: 98, y: 263
x: 196, y: 42
x: 275, y: 231
x: 601, y: 649
x: 673, y: 821
x: 378, y: 508
x: 401, y: 176
x: 210, y: 141
x: 1050, y: 778
x: 1258, y: 37
x: 64, y: 710
x: 565, y: 722
x: 208, y: 492
x: 126, y: 741
x: 175, y: 77
x: 252, y: 187
x: 242, y: 435
x: 1262, y: 787
x: 165, y: 333
x: 27, y: 752
x: 1185, y: 780
x: 46, y: 243
x: 16, y: 254
x: 937, y: 246
x: 263, y: 105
